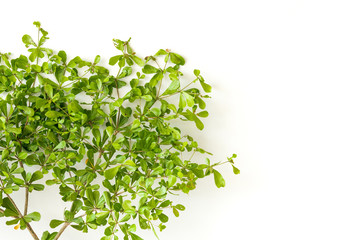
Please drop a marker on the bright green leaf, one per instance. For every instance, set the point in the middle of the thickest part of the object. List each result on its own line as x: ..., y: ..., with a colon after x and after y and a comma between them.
x: 110, y: 173
x: 148, y: 69
x: 219, y: 180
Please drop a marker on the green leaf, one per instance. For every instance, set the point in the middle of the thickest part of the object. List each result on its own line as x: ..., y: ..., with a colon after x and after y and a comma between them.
x: 176, y: 212
x: 180, y: 207
x: 52, y: 137
x: 156, y: 111
x: 37, y: 24
x: 61, y: 145
x: 113, y: 60
x: 200, y: 102
x: 97, y: 59
x: 205, y: 86
x: 97, y: 135
x: 147, y: 98
x: 198, y: 122
x: 235, y: 170
x: 34, y: 216
x: 63, y: 56
x: 53, y: 114
x: 155, y: 79
x: 118, y: 44
x: 27, y: 110
x: 38, y: 187
x: 118, y: 143
x: 177, y: 59
x: 161, y: 192
x: 127, y: 207
x: 109, y: 131
x: 76, y: 206
x: 126, y: 218
x: 101, y: 216
x: 174, y: 87
x: 135, y: 237
x: 48, y: 90
x: 135, y: 124
x: 14, y: 130
x: 28, y: 40
x: 12, y: 222
x: 36, y: 176
x: 189, y: 99
x: 75, y: 107
x: 160, y: 52
x: 126, y: 72
x: 203, y: 114
x: 182, y: 101
x: 129, y: 162
x: 5, y: 153
x: 171, y: 180
x: 110, y: 173
x: 219, y: 180
x: 158, y: 170
x: 138, y: 61
x: 196, y: 72
x: 148, y: 69
x: 22, y: 155
x: 163, y: 218
x: 8, y: 190
x: 55, y: 223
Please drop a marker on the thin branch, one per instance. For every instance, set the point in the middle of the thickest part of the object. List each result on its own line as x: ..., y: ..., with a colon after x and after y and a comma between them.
x: 26, y: 187
x: 26, y: 200
x: 161, y: 97
x: 66, y: 224
x: 28, y: 226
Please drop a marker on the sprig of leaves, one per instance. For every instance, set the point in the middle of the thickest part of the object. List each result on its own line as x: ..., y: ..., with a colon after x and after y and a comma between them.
x: 125, y: 136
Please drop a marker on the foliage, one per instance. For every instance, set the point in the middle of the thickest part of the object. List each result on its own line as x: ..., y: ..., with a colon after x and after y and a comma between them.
x: 111, y: 145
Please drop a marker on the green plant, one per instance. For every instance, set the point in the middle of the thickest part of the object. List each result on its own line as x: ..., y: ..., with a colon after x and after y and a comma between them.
x: 75, y: 122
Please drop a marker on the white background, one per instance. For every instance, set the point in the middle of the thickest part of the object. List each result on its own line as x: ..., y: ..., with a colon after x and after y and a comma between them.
x: 286, y: 99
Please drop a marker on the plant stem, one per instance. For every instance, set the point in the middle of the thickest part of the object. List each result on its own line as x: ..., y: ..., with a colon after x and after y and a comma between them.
x: 26, y: 187
x: 28, y: 226
x: 26, y: 201
x: 179, y: 90
x: 66, y: 224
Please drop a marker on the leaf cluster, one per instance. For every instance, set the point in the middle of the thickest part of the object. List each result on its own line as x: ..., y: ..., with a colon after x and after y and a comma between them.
x: 111, y: 143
